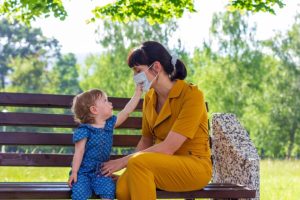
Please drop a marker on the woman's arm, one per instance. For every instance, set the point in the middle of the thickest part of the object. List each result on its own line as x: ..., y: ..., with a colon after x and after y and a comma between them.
x: 144, y: 143
x: 77, y: 159
x: 170, y: 145
x: 130, y: 106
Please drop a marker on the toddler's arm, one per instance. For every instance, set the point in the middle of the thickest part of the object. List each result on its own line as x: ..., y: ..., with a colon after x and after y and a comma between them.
x: 130, y: 106
x: 77, y: 158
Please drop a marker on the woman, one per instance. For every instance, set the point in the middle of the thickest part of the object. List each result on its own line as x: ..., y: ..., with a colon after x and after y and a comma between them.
x: 173, y: 153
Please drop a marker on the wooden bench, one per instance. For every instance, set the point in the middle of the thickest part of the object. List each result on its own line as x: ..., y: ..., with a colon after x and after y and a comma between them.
x: 60, y: 190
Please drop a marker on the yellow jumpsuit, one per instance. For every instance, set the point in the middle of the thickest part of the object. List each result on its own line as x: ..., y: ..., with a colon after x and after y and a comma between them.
x: 190, y: 167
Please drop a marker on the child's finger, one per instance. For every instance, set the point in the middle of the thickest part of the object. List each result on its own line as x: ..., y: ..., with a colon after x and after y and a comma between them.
x: 70, y: 182
x: 105, y: 172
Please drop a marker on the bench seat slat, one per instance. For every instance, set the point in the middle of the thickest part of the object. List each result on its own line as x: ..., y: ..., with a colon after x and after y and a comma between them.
x: 61, y: 190
x: 39, y: 160
x: 57, y: 139
x: 54, y: 120
x: 52, y: 101
x: 59, y: 185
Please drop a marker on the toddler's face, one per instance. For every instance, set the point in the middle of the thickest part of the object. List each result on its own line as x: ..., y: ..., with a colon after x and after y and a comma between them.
x: 104, y: 107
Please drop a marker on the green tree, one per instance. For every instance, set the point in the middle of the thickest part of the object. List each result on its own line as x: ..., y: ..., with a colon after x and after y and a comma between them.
x: 260, y: 85
x: 233, y: 59
x: 33, y: 75
x: 31, y: 62
x: 17, y: 40
x: 29, y: 75
x: 235, y: 74
x: 64, y: 75
x: 285, y: 98
x: 124, y: 10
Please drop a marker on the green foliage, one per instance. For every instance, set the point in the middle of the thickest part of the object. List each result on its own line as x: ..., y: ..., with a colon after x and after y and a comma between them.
x: 154, y: 11
x: 256, y: 6
x: 64, y: 76
x: 124, y: 10
x: 29, y: 10
x: 32, y: 63
x: 18, y: 40
x: 238, y: 77
x: 28, y: 75
x: 108, y: 73
x: 235, y: 67
x: 117, y: 36
x: 284, y: 95
x: 160, y: 11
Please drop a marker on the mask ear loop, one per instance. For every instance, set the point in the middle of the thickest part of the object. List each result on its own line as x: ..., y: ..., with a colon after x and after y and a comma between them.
x: 156, y: 76
x: 151, y: 67
x: 174, y: 59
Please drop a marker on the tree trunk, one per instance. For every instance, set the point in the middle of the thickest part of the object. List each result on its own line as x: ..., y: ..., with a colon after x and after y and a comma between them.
x: 292, y: 139
x: 2, y: 77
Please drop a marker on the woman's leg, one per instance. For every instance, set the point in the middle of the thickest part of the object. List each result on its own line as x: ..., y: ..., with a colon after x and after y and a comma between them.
x: 148, y: 171
x: 122, y: 190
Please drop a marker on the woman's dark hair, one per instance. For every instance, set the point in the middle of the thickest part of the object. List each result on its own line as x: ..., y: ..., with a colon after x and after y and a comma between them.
x: 150, y: 52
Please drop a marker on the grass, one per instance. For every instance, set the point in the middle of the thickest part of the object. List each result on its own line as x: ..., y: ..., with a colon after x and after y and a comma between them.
x: 280, y: 179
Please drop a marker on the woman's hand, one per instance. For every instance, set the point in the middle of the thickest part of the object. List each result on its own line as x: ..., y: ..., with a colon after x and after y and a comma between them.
x: 112, y: 166
x: 73, y: 178
x: 115, y: 177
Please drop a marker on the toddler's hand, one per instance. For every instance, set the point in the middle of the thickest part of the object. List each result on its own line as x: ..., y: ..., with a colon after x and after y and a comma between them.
x: 73, y: 178
x: 139, y: 89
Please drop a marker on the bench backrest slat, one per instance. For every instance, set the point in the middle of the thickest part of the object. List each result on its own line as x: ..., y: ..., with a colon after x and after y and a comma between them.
x: 47, y: 160
x: 58, y: 139
x: 51, y: 101
x: 53, y: 120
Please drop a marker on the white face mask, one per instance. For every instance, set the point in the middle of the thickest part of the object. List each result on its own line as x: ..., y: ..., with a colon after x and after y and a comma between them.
x: 141, y: 78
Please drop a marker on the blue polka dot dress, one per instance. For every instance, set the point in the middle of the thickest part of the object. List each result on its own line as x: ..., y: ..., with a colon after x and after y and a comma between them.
x: 97, y: 151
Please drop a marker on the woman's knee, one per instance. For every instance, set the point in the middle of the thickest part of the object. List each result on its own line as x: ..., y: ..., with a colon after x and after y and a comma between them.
x: 140, y: 160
